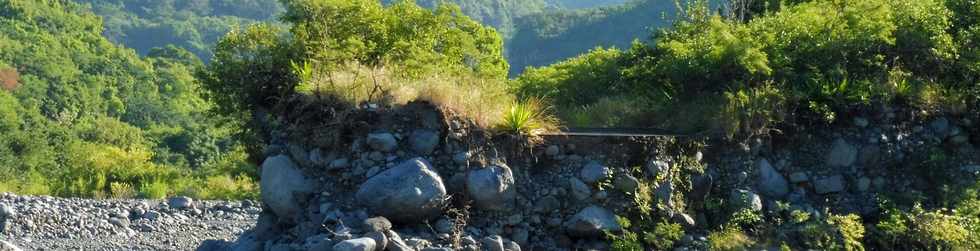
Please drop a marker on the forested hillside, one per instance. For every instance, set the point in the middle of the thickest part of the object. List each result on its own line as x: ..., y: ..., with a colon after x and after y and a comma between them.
x: 85, y: 117
x: 548, y: 37
x: 194, y: 25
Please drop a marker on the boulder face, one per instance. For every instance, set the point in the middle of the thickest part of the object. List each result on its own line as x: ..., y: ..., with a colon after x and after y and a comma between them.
x: 592, y: 221
x: 842, y: 154
x: 771, y: 182
x: 491, y: 188
x: 408, y: 193
x: 281, y: 182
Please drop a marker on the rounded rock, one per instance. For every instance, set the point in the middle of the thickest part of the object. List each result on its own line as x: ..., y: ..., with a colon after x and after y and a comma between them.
x: 491, y: 188
x: 408, y: 193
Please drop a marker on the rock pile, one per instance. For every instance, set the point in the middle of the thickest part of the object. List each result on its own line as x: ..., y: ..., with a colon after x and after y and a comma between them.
x: 179, y: 223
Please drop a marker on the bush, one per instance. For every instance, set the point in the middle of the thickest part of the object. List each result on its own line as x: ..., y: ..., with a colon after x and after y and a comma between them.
x: 154, y: 190
x: 932, y: 230
x: 729, y: 239
x: 663, y: 235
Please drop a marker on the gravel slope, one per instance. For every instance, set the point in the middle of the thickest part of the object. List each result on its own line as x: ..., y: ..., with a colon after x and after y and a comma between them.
x: 48, y: 223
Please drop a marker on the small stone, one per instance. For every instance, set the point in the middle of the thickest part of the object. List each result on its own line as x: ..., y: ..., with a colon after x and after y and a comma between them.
x: 151, y: 215
x: 444, y: 226
x: 337, y: 164
x: 861, y: 122
x: 626, y: 183
x: 384, y: 142
x: 746, y: 199
x: 493, y: 243
x: 832, y: 184
x: 940, y: 126
x: 684, y: 220
x: 798, y: 177
x: 594, y: 172
x: 7, y: 212
x: 181, y: 202
x: 842, y: 154
x: 580, y: 190
x: 655, y: 167
x: 600, y: 195
x: 424, y: 141
x: 359, y: 244
x: 547, y: 204
x: 552, y: 150
x: 492, y: 188
x: 863, y: 184
x: 771, y: 182
x: 377, y: 224
x: 971, y: 169
x: 379, y: 238
x: 119, y: 222
x: 593, y: 221
x: 520, y: 235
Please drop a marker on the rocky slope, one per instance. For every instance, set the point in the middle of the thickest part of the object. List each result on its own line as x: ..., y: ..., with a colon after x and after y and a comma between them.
x: 47, y: 223
x: 414, y: 178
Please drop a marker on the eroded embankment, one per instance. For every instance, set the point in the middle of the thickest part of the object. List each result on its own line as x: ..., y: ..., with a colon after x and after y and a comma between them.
x: 417, y: 178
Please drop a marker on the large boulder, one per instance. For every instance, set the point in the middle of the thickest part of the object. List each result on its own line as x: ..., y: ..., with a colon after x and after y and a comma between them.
x: 842, y: 154
x: 592, y: 221
x: 407, y: 193
x: 771, y: 182
x: 491, y: 188
x: 282, y: 185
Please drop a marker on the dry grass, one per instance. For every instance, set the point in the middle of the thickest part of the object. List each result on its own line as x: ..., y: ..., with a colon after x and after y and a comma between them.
x: 9, y: 79
x: 482, y: 100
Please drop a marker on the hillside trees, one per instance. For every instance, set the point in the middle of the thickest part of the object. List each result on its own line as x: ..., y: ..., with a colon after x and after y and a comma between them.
x: 195, y: 25
x: 816, y: 58
x: 354, y: 50
x: 88, y: 116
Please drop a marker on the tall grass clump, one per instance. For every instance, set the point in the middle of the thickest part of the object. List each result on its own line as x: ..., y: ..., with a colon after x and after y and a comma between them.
x: 528, y: 117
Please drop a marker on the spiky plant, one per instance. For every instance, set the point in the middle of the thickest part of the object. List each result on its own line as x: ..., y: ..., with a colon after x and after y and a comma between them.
x: 528, y: 117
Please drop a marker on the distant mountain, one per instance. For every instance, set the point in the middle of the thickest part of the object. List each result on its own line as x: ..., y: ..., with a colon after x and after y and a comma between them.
x: 195, y: 25
x: 581, y: 4
x: 545, y: 38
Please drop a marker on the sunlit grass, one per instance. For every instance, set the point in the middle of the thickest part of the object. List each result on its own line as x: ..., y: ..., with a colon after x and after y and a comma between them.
x: 529, y: 117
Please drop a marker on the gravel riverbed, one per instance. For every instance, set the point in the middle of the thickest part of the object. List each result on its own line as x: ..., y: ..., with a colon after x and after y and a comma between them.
x: 180, y: 223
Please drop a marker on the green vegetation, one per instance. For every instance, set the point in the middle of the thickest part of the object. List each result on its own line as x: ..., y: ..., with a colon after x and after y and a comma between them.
x: 528, y: 117
x: 548, y: 37
x: 83, y: 117
x: 342, y: 53
x: 194, y: 25
x: 814, y: 60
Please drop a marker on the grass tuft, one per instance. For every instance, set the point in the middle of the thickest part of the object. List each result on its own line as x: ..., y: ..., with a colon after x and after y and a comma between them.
x: 528, y: 117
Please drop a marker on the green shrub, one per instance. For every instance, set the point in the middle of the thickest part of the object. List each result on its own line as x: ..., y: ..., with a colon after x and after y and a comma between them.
x: 154, y: 190
x: 729, y: 239
x: 663, y: 235
x: 752, y: 111
x: 626, y: 241
x: 122, y: 190
x: 836, y: 232
x: 930, y: 230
